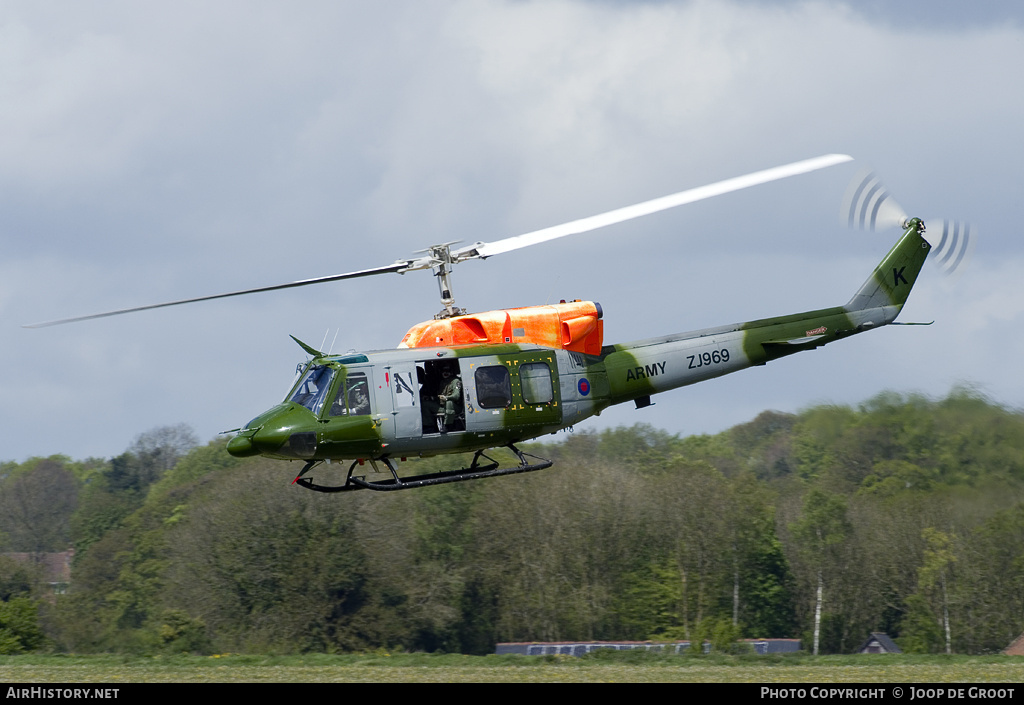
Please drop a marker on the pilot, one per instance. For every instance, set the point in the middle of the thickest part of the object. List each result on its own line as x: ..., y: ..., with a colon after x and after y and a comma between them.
x: 359, y: 400
x: 449, y: 401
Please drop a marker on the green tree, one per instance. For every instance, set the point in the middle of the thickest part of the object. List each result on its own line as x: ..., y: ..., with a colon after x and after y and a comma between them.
x: 765, y: 443
x: 553, y: 549
x: 36, y: 505
x: 19, y: 626
x: 151, y: 455
x: 762, y: 599
x: 268, y: 567
x: 921, y: 633
x: 989, y: 590
x: 822, y: 527
x: 692, y: 512
x: 933, y: 573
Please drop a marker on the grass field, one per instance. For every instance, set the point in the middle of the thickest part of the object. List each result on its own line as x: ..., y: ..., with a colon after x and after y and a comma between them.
x: 608, y: 667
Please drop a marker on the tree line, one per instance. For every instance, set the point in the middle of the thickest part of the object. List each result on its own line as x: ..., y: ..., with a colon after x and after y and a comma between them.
x: 902, y: 515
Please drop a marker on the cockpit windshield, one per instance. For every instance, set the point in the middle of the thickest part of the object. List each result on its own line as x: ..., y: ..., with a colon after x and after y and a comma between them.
x: 313, y: 387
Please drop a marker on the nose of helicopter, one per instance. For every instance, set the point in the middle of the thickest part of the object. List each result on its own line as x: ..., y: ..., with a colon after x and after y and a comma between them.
x: 241, y: 446
x: 280, y: 431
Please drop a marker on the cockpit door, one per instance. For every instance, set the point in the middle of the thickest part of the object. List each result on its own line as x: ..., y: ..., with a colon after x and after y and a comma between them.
x: 351, y: 411
x: 404, y: 384
x: 488, y: 392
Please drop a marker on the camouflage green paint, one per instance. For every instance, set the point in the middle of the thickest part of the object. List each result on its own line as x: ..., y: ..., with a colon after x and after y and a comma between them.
x: 646, y: 367
x: 767, y: 339
x: 628, y: 377
x: 461, y: 351
x: 621, y: 373
x: 892, y: 280
x: 290, y: 431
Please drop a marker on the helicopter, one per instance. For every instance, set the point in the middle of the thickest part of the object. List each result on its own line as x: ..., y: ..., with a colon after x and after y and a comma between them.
x: 475, y: 382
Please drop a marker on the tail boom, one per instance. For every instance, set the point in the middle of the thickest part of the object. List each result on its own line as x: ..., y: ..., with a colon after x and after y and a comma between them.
x: 642, y: 368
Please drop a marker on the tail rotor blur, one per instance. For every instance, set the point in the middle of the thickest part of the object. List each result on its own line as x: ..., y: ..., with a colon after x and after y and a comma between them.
x: 955, y: 243
x: 868, y: 205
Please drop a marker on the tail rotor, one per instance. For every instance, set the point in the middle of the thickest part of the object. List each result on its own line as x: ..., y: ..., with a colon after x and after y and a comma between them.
x: 868, y: 205
x: 955, y: 243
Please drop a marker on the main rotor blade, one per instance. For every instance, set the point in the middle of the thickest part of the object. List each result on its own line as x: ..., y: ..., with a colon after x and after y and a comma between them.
x: 483, y: 249
x: 486, y: 249
x: 397, y: 267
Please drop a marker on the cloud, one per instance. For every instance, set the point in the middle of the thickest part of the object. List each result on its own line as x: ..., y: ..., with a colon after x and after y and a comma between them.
x: 151, y: 153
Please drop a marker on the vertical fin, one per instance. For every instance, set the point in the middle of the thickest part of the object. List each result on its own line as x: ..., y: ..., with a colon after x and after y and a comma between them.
x: 892, y: 280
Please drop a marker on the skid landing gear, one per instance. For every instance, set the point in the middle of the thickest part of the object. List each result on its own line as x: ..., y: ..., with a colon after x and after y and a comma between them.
x: 475, y: 471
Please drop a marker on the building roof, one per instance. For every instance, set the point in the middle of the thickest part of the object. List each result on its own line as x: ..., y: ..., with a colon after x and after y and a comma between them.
x: 56, y: 567
x: 1016, y: 647
x: 879, y: 643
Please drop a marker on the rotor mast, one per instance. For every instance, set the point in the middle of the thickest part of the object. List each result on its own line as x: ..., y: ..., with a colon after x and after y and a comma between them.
x: 442, y: 254
x: 439, y: 258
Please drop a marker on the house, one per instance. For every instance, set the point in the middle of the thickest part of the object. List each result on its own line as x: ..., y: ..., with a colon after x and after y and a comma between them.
x: 1016, y: 648
x: 879, y: 643
x: 55, y: 568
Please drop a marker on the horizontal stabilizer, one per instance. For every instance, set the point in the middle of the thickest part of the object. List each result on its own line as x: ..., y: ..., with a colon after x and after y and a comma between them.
x: 793, y: 341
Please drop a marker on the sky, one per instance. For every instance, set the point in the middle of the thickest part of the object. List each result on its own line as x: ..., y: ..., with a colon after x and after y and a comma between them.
x: 152, y: 152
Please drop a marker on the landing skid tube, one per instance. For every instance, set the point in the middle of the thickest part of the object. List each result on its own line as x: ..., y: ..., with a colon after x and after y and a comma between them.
x: 475, y: 471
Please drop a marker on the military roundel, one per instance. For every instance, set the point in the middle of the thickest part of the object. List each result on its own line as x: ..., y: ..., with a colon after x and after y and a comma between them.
x: 583, y: 386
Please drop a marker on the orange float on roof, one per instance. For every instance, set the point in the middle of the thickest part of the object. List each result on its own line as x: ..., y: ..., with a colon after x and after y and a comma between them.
x: 575, y: 326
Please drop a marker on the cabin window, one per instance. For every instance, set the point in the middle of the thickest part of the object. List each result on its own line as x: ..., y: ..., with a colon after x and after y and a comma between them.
x: 493, y: 387
x: 352, y: 397
x: 536, y: 381
x: 313, y: 386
